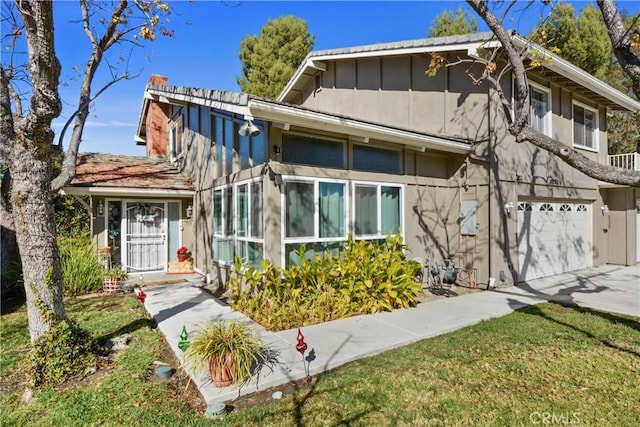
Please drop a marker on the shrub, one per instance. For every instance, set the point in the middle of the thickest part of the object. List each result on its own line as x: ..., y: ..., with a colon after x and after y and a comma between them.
x: 80, y: 263
x: 368, y: 277
x: 64, y: 351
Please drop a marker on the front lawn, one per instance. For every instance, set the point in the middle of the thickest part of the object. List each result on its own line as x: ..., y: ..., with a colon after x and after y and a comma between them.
x: 545, y: 363
x: 123, y: 391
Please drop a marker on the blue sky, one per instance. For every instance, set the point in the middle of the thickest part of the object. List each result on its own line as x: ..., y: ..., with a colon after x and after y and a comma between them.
x: 204, y: 51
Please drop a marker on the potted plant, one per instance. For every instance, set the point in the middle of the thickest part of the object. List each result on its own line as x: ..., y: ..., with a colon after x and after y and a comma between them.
x: 229, y: 349
x: 113, y: 278
x: 184, y: 254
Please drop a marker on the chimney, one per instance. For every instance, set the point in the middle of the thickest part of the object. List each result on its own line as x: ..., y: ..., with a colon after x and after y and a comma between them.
x: 157, y: 118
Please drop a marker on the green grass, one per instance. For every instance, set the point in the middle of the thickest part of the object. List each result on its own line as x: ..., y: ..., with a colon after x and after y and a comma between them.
x: 123, y: 392
x: 547, y: 360
x: 571, y: 364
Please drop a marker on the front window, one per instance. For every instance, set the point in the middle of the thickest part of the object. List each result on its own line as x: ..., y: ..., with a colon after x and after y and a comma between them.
x: 315, y: 216
x: 377, y: 210
x: 249, y: 234
x: 584, y: 127
x: 223, y: 224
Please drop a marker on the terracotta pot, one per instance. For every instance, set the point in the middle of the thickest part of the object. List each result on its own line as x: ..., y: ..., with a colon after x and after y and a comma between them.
x: 222, y: 375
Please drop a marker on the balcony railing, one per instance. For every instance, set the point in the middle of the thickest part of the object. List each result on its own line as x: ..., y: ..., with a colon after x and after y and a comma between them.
x: 625, y: 161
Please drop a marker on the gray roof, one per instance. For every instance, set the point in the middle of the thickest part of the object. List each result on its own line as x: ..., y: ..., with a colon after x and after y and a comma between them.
x: 407, y: 44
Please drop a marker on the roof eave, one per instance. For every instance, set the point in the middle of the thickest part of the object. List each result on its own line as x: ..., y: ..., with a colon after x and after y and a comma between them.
x: 567, y: 69
x: 124, y: 191
x: 320, y: 121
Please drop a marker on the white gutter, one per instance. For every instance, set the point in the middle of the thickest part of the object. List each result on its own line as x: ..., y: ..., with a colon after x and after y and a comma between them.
x: 123, y: 191
x: 326, y: 122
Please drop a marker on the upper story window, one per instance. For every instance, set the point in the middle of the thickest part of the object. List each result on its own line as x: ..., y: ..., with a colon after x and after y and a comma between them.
x: 231, y: 149
x: 175, y: 138
x: 375, y: 159
x: 585, y: 127
x: 313, y: 151
x: 540, y: 109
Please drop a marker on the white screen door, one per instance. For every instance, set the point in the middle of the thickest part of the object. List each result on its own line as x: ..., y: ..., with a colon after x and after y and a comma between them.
x: 145, y: 236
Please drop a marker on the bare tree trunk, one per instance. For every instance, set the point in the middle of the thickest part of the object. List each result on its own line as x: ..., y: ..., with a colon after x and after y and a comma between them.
x: 9, y: 253
x: 35, y: 232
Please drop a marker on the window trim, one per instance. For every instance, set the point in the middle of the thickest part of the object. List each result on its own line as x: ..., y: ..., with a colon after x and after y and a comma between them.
x: 284, y: 240
x: 225, y: 233
x: 548, y: 118
x: 378, y: 186
x: 248, y: 183
x: 596, y: 129
x: 174, y: 139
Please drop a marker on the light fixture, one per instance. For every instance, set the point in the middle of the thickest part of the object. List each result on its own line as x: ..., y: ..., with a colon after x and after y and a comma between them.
x: 189, y: 211
x: 604, y: 209
x: 248, y: 128
x: 100, y: 208
x: 276, y: 149
x: 508, y: 208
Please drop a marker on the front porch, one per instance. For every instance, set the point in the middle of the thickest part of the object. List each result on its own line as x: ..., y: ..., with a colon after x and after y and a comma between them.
x: 141, y: 210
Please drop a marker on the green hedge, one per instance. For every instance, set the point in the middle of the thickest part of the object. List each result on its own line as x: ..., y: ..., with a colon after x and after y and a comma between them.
x: 368, y: 277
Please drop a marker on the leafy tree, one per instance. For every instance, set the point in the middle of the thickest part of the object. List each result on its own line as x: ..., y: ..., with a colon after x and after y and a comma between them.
x: 449, y: 25
x: 625, y: 46
x: 270, y: 59
x: 29, y: 102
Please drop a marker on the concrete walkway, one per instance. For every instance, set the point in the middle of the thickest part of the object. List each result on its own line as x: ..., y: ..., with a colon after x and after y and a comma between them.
x: 332, y: 344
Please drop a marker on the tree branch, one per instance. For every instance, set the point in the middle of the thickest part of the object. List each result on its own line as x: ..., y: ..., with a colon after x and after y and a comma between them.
x: 520, y: 76
x: 68, y: 173
x: 621, y: 42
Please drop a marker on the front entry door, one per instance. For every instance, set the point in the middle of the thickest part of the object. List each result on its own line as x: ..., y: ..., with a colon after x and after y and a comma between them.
x: 145, y: 236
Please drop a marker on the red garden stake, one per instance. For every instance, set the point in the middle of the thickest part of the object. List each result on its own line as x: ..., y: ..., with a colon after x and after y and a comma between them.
x: 142, y: 296
x: 302, y: 347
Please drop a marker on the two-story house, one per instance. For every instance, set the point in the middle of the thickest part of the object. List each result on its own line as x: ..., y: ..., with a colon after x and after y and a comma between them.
x: 361, y: 142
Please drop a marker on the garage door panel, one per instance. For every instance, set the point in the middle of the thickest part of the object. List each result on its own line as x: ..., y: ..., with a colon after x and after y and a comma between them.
x: 554, y: 237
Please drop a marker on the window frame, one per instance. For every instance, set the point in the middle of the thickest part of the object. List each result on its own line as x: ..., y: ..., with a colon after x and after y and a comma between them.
x: 175, y: 146
x: 249, y: 238
x: 548, y: 116
x: 596, y: 128
x: 315, y: 238
x: 378, y: 186
x: 225, y: 234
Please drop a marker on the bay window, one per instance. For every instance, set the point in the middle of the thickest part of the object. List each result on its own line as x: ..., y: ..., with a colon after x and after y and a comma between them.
x: 223, y: 224
x: 314, y: 216
x: 249, y: 220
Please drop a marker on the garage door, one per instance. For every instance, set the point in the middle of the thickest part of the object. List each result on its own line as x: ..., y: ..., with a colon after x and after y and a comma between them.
x: 553, y: 237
